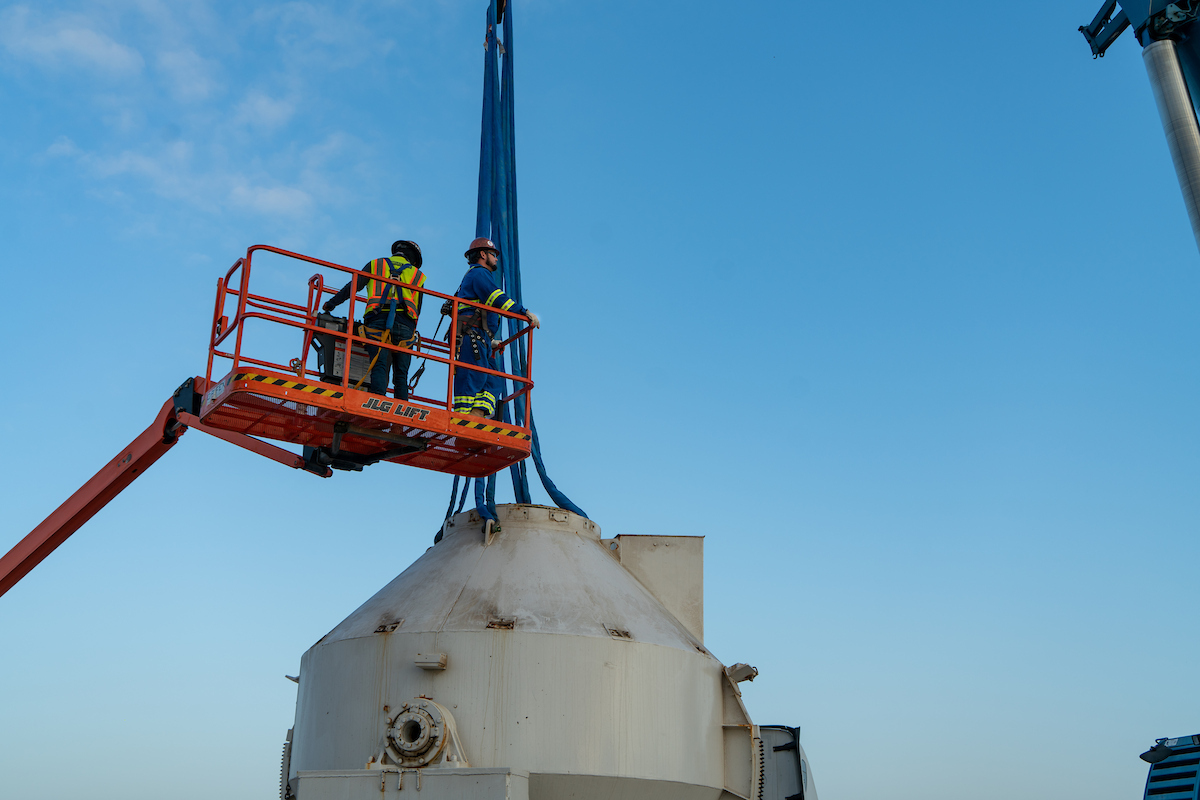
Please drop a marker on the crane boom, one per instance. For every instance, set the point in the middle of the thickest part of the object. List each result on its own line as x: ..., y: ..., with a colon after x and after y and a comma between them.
x: 1169, y: 33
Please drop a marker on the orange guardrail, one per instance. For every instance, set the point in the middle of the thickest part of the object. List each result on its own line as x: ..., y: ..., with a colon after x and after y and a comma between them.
x: 235, y: 286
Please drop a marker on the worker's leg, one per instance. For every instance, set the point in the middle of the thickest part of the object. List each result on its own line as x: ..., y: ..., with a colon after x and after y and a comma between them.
x: 467, y: 382
x: 494, y: 391
x: 377, y: 384
x: 380, y: 355
x: 484, y: 404
x: 402, y: 331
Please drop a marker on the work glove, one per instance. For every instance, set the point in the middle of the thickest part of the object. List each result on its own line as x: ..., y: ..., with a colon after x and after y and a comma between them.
x: 533, y: 319
x: 496, y: 344
x: 328, y: 307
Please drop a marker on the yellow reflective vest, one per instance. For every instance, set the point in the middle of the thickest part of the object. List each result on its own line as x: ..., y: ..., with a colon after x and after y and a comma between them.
x: 380, y: 293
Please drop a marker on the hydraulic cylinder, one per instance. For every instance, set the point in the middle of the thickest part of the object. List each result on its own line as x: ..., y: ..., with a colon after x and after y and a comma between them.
x: 1179, y: 121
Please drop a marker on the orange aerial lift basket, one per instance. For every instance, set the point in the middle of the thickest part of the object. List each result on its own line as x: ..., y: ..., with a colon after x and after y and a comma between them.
x: 287, y: 378
x: 313, y: 400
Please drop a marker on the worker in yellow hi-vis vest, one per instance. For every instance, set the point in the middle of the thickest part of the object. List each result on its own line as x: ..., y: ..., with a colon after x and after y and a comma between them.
x: 391, y: 314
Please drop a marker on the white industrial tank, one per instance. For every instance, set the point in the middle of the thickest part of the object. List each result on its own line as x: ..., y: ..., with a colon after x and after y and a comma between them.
x: 538, y: 661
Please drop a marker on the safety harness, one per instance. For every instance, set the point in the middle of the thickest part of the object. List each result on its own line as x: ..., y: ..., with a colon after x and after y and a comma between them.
x: 384, y: 335
x: 379, y: 289
x: 473, y: 322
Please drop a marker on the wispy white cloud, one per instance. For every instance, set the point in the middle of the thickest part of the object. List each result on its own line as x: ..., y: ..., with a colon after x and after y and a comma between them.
x: 122, y: 111
x: 171, y: 172
x: 178, y: 133
x: 311, y: 32
x: 63, y: 147
x: 168, y: 170
x: 276, y: 201
x: 264, y: 112
x: 336, y: 168
x: 189, y: 76
x: 334, y: 145
x: 64, y: 42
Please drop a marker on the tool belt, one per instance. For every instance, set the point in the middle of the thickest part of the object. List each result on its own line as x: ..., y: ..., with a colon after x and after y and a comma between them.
x: 472, y: 324
x: 385, y: 336
x: 472, y: 318
x: 481, y: 343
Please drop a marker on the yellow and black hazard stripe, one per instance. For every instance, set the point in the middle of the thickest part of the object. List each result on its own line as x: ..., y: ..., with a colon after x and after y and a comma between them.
x: 483, y: 426
x: 270, y: 380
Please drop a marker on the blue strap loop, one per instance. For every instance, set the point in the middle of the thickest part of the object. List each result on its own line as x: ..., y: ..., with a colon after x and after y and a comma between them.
x: 496, y: 219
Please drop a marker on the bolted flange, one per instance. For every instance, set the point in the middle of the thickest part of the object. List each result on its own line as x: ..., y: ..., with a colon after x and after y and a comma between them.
x: 417, y: 734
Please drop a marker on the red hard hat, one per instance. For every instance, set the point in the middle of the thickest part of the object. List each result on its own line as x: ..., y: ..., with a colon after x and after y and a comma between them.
x: 481, y: 244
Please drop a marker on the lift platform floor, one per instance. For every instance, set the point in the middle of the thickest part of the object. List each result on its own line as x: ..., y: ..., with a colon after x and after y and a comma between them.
x: 285, y: 408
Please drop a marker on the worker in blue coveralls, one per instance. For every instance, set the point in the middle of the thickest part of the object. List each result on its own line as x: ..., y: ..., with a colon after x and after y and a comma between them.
x: 475, y: 392
x: 391, y: 314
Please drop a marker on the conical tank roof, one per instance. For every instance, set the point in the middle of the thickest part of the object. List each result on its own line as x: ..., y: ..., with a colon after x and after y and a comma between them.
x: 546, y: 571
x: 549, y: 655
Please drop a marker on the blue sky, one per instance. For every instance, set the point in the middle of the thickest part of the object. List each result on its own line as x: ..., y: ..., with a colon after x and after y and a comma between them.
x: 895, y: 306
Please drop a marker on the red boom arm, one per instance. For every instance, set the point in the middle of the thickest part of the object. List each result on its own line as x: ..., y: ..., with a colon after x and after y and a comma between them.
x: 171, y: 423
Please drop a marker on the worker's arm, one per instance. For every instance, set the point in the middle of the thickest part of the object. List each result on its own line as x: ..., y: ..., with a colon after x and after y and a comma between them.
x: 496, y: 298
x: 479, y: 283
x: 344, y: 293
x: 482, y: 286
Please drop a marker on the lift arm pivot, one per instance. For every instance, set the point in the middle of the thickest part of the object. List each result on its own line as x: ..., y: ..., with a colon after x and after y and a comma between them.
x: 173, y: 420
x: 1108, y: 24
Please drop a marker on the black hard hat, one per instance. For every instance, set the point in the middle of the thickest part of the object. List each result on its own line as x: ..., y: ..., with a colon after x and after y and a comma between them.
x: 410, y: 250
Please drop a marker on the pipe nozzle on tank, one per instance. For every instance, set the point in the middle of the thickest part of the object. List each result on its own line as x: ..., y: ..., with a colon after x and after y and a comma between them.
x: 741, y: 672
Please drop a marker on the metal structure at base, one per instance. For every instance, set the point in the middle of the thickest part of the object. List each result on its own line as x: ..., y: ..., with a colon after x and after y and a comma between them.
x: 1173, y: 767
x: 535, y: 659
x: 1169, y: 32
x: 1179, y: 122
x: 465, y: 783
